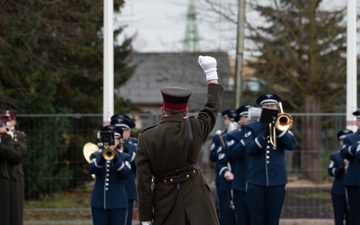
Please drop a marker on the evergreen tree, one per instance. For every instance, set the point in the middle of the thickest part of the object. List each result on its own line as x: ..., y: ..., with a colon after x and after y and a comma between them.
x: 301, y: 49
x: 51, y: 61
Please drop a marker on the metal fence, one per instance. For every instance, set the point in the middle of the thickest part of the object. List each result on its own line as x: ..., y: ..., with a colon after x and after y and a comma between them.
x: 65, y: 135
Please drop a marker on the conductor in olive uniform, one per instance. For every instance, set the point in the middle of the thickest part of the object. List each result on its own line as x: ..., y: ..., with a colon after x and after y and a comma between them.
x: 352, y: 177
x: 169, y: 151
x: 109, y: 200
x: 337, y: 169
x: 266, y: 178
x: 9, y: 158
x: 9, y: 116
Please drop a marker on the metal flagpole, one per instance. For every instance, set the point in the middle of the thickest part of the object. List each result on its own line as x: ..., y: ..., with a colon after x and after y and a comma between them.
x: 108, y: 92
x: 351, y: 69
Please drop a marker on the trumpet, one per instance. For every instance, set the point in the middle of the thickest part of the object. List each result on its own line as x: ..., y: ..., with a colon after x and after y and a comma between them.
x: 284, y: 121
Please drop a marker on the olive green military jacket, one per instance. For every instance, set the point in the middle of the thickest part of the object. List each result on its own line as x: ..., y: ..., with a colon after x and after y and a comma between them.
x: 164, y: 148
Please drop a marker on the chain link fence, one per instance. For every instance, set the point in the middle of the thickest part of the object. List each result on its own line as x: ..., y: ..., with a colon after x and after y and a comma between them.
x: 55, y: 163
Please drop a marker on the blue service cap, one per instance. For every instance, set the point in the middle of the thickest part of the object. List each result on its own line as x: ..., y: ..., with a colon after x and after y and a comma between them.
x: 122, y: 121
x: 117, y: 130
x: 343, y: 133
x: 268, y: 98
x: 243, y: 110
x: 357, y: 114
x: 229, y: 114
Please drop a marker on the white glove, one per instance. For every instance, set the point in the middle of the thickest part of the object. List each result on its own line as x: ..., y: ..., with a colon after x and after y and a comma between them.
x: 208, y: 64
x: 145, y: 222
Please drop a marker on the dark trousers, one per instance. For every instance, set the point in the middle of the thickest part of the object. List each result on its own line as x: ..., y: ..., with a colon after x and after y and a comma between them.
x: 108, y: 216
x: 265, y: 204
x: 353, y: 200
x: 340, y: 209
x: 241, y: 208
x: 226, y: 215
x: 130, y: 210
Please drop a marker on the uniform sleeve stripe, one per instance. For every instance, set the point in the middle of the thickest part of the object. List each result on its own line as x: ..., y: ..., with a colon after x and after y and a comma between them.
x: 258, y: 143
x: 242, y: 142
x: 349, y: 150
x: 94, y: 160
x: 282, y: 133
x: 121, y: 167
x: 222, y: 169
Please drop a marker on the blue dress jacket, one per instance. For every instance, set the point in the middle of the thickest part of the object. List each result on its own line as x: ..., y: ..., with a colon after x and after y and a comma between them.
x: 217, y: 154
x: 336, y: 170
x: 130, y: 185
x: 349, y: 151
x: 110, y: 175
x: 267, y: 165
x: 235, y: 154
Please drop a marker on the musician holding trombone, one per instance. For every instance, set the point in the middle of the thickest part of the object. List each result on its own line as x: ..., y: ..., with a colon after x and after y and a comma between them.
x: 266, y: 141
x: 111, y: 168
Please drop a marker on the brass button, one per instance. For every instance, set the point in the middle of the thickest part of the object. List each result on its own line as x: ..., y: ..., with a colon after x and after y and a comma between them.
x: 165, y: 181
x: 194, y: 171
x: 187, y: 175
x: 171, y: 180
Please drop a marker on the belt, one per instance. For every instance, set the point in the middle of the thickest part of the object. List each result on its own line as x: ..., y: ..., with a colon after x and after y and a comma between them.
x: 182, y: 177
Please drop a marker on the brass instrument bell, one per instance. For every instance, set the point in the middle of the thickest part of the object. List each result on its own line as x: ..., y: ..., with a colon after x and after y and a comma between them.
x: 108, y: 153
x: 88, y: 149
x: 284, y: 121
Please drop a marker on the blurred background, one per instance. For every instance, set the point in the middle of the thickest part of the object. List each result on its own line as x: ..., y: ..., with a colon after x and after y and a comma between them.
x: 51, y: 73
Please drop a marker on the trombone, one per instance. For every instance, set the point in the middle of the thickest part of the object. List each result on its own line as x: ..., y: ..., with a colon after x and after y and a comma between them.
x: 284, y: 121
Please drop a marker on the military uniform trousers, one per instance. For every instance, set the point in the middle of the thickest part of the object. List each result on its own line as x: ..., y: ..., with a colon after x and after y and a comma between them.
x: 265, y: 203
x: 241, y: 208
x: 353, y: 200
x: 340, y: 209
x: 108, y: 216
x: 226, y: 213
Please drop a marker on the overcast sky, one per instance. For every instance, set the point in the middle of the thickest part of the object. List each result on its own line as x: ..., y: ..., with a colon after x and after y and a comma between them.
x: 160, y: 25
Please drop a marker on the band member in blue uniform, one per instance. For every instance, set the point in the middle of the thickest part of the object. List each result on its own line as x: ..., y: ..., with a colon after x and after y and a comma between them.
x: 235, y: 154
x: 124, y: 122
x: 337, y: 169
x: 267, y: 176
x: 109, y: 201
x: 223, y: 189
x: 352, y: 178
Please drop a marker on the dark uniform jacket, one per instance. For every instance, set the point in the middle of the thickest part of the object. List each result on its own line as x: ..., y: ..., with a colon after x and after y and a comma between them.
x: 163, y: 149
x: 336, y: 169
x: 9, y: 158
x: 130, y: 186
x: 236, y: 155
x: 109, y: 189
x: 266, y: 165
x: 21, y: 146
x: 348, y: 151
x: 218, y: 155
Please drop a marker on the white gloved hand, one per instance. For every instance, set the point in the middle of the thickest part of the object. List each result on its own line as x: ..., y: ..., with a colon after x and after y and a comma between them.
x: 208, y: 64
x: 145, y: 222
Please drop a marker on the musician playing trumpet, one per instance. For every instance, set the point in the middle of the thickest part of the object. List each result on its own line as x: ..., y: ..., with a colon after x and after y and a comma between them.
x: 109, y: 199
x: 266, y: 178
